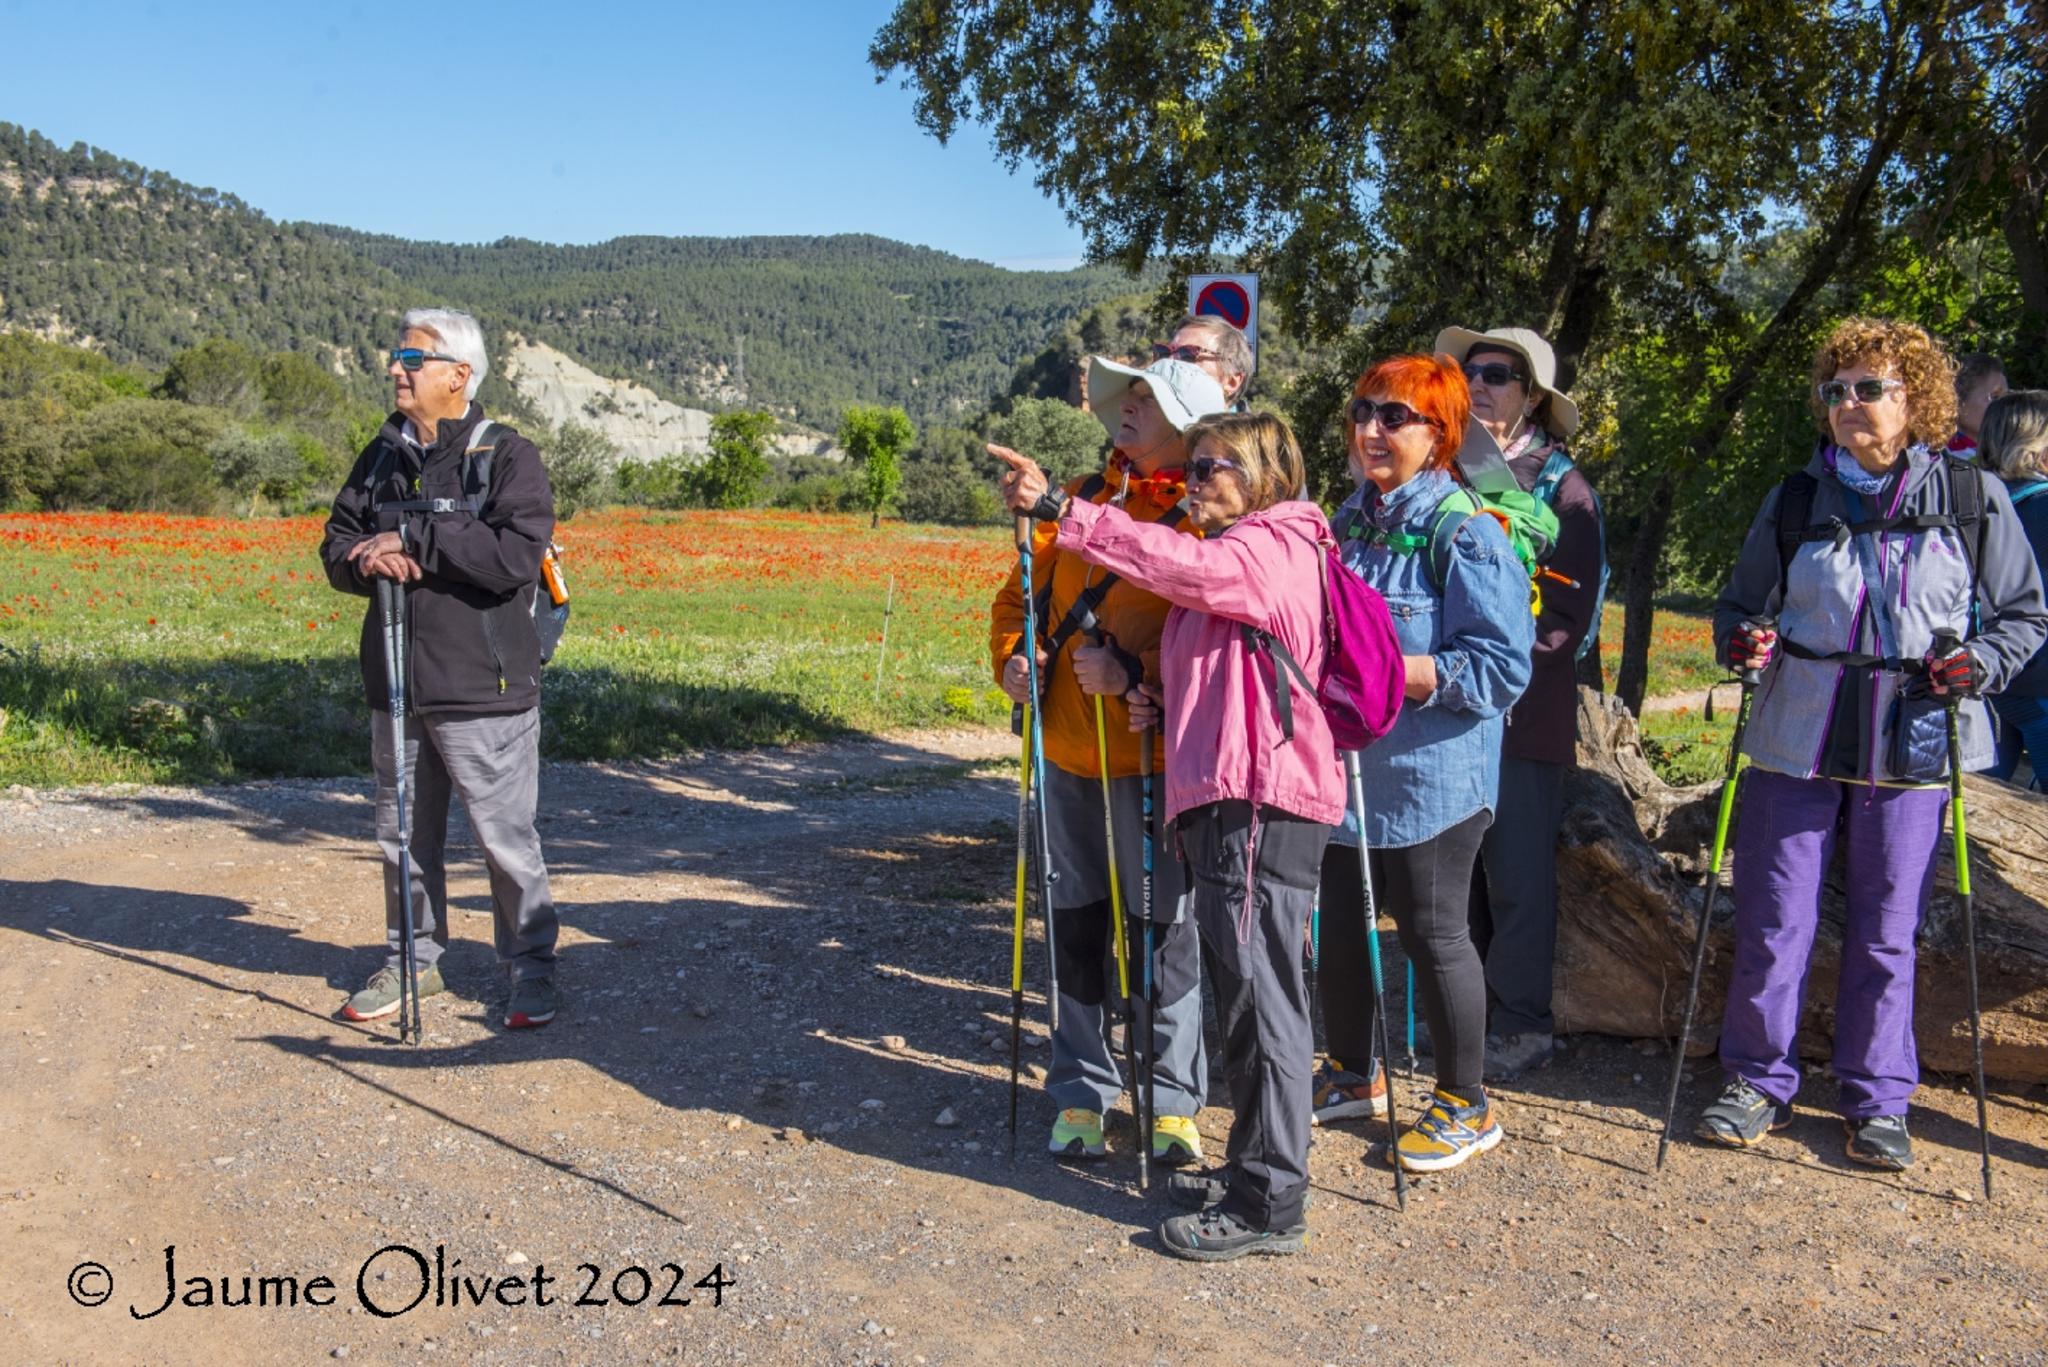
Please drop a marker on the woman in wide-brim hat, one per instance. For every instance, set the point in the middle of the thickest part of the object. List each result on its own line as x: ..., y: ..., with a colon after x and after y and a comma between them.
x: 1512, y: 374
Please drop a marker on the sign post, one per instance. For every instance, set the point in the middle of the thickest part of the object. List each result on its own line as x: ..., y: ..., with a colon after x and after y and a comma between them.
x: 1233, y: 298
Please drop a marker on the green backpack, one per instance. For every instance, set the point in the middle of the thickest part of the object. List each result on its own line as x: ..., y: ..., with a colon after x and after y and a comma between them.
x: 1486, y: 488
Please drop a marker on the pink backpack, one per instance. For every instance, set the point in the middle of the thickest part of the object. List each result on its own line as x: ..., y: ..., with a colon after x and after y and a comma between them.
x: 1363, y: 677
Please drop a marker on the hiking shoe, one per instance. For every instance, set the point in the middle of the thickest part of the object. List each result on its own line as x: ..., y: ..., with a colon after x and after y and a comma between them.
x: 1510, y: 1056
x: 1449, y: 1132
x: 1878, y: 1141
x: 1341, y: 1094
x: 1196, y: 1190
x: 533, y: 1003
x: 1201, y: 1190
x: 379, y: 996
x: 1077, y: 1134
x: 1741, y: 1117
x: 1213, y: 1236
x: 1176, y: 1141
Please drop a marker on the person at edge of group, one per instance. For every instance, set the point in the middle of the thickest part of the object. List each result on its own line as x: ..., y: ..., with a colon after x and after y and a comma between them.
x: 1512, y: 374
x: 1204, y: 340
x: 2016, y: 450
x: 1251, y: 808
x: 1848, y: 736
x: 1980, y: 382
x: 1146, y: 412
x: 475, y: 656
x: 1432, y: 782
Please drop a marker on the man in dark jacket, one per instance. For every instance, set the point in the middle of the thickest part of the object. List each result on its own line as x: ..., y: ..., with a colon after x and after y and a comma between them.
x: 417, y: 511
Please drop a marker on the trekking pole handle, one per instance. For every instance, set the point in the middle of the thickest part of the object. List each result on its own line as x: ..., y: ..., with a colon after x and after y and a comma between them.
x: 1752, y: 677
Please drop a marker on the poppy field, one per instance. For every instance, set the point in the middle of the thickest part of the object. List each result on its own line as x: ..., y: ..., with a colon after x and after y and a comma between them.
x: 162, y: 649
x: 137, y: 648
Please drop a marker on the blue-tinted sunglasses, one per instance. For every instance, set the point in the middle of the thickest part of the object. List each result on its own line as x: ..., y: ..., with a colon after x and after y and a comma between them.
x: 412, y: 358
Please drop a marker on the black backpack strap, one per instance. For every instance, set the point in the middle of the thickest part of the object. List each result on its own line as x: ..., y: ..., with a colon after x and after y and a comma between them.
x: 1286, y: 673
x: 1795, y: 516
x: 476, y: 480
x: 1966, y: 503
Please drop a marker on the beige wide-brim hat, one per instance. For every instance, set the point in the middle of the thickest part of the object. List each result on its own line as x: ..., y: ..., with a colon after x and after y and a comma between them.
x: 1184, y: 392
x: 1457, y: 343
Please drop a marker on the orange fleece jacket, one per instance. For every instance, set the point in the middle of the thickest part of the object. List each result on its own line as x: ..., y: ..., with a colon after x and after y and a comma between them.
x: 1129, y: 615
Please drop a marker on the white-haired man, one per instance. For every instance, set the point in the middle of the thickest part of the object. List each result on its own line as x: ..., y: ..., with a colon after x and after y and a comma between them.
x: 457, y: 512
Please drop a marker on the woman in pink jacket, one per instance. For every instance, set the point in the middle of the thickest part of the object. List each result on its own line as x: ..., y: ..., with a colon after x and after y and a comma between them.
x: 1251, y: 806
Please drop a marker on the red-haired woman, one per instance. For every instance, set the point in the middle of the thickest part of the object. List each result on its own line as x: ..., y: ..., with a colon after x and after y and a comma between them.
x: 1460, y: 603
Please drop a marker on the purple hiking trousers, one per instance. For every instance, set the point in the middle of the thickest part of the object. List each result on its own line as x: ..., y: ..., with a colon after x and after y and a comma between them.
x: 1784, y: 842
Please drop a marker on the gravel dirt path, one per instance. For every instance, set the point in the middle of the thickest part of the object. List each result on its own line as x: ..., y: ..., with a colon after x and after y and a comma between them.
x: 780, y: 968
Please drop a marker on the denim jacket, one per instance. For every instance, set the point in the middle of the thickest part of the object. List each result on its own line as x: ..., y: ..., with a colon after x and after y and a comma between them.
x: 1441, y: 762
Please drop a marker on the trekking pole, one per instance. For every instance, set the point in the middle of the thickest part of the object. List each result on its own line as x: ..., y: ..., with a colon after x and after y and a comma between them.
x: 882, y: 657
x: 391, y: 599
x: 1148, y: 1057
x: 1383, y: 1042
x: 1729, y: 785
x: 1017, y: 934
x: 1117, y: 937
x: 1034, y: 730
x: 1946, y: 643
x: 1409, y: 1002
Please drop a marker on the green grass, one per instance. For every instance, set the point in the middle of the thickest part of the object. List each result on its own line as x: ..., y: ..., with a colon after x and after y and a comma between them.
x: 183, y: 650
x: 192, y: 650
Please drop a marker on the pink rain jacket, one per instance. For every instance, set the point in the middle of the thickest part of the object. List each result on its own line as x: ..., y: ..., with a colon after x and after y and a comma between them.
x: 1223, y: 738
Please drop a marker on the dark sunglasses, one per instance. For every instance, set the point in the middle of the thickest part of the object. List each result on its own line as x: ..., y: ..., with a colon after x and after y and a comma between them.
x: 1495, y: 373
x: 1193, y: 355
x: 1834, y: 392
x: 1393, y: 416
x: 412, y: 358
x: 1202, y: 469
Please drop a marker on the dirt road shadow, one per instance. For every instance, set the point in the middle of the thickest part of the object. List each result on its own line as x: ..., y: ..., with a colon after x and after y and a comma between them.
x: 812, y: 944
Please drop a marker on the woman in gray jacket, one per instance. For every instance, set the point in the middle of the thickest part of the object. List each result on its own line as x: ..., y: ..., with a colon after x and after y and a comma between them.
x: 1855, y: 595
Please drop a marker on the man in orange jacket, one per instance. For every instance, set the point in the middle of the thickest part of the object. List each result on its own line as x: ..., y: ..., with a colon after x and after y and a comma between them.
x: 1082, y: 658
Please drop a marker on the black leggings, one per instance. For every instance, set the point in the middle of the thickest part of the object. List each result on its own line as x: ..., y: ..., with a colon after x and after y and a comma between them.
x: 1427, y: 889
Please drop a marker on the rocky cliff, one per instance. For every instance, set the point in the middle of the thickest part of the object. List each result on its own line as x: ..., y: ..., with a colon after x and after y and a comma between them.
x: 642, y: 424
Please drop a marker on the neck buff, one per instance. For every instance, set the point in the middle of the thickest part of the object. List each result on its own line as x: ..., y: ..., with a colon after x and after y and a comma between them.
x: 1851, y: 473
x: 1161, y: 490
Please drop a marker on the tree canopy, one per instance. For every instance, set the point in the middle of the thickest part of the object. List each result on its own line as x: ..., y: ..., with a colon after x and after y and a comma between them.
x: 1608, y: 173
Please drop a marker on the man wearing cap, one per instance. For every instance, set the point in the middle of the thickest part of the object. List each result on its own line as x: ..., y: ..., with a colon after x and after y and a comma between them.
x: 1513, y: 376
x: 1098, y: 642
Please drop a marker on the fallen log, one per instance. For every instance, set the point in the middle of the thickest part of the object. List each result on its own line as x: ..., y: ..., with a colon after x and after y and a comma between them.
x: 1633, y: 852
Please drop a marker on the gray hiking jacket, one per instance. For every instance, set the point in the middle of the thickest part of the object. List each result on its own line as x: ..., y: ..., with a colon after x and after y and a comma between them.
x: 1881, y: 594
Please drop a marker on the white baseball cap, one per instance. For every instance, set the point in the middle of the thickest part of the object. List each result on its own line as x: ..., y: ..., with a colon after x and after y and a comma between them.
x: 1183, y: 391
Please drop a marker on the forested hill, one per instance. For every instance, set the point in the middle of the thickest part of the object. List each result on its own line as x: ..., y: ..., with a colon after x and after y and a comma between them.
x: 139, y: 264
x: 824, y: 321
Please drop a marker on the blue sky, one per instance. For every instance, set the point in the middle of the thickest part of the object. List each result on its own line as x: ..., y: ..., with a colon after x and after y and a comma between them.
x: 564, y: 123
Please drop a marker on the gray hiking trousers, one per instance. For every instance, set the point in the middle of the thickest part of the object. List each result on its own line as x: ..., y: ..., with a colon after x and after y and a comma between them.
x: 1084, y: 1073
x: 493, y: 765
x: 1262, y: 1002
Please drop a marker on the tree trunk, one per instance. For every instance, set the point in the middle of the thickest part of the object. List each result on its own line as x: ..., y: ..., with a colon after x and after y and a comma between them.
x: 2021, y: 223
x: 1646, y: 551
x: 1633, y: 852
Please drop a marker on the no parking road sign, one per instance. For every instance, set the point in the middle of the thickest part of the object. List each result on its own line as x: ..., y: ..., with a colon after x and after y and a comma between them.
x: 1233, y: 298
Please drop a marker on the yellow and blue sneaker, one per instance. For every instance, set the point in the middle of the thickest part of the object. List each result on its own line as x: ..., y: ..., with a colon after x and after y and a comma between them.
x: 1077, y: 1134
x: 1450, y: 1131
